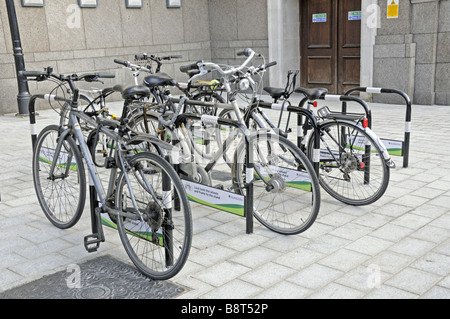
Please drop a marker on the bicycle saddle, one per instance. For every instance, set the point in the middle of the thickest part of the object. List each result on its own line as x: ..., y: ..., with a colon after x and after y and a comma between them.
x: 312, y: 93
x: 276, y: 93
x: 138, y: 91
x: 158, y: 80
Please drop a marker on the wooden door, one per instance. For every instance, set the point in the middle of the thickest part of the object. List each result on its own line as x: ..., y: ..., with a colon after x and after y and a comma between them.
x: 330, y: 44
x: 349, y: 44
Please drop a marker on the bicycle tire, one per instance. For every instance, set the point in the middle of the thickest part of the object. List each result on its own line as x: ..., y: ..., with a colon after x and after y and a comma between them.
x: 364, y: 177
x: 292, y: 186
x: 210, y: 97
x: 85, y: 104
x: 62, y: 199
x: 159, y: 254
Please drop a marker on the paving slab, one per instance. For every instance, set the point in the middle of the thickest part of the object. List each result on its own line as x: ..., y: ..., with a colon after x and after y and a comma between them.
x: 398, y: 247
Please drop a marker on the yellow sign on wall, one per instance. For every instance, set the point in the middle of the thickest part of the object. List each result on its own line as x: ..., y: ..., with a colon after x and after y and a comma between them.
x: 392, y: 9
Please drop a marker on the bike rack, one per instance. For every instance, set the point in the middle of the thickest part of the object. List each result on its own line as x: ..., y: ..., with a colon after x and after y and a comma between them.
x: 248, y: 200
x: 406, y: 142
x: 345, y: 99
x: 92, y: 191
x: 31, y: 111
x: 300, y: 138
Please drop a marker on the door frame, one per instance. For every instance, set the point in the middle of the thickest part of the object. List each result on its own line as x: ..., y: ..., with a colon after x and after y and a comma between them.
x: 284, y: 39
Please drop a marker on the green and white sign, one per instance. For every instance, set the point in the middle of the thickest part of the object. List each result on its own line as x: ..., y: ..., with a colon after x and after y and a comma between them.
x: 319, y: 17
x: 354, y: 15
x: 394, y: 147
x: 293, y: 178
x: 216, y: 198
x: 47, y: 155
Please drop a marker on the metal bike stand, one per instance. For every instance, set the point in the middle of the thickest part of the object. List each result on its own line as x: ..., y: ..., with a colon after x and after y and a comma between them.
x: 97, y: 235
x: 248, y: 199
x: 406, y: 141
x: 301, y: 112
x: 368, y: 115
x: 32, y: 112
x: 168, y: 233
x: 92, y: 191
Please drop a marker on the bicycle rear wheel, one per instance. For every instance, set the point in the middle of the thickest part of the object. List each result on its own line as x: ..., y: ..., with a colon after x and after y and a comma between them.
x: 352, y: 165
x: 62, y: 195
x: 286, y: 192
x: 158, y: 238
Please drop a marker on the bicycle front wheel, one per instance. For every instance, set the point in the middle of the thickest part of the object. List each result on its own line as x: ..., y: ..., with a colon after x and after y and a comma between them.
x: 62, y: 194
x: 157, y: 229
x: 286, y: 192
x: 352, y: 165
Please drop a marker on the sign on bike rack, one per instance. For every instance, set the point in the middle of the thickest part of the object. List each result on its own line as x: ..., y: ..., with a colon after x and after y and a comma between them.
x: 395, y: 147
x: 215, y: 198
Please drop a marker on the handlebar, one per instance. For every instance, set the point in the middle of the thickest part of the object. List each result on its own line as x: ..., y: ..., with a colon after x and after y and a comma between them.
x: 32, y: 73
x: 124, y: 63
x: 268, y: 65
x: 89, y: 77
x: 193, y: 66
x: 130, y: 65
x: 249, y: 53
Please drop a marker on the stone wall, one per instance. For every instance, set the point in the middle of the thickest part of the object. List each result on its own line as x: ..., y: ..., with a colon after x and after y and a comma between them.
x: 236, y: 25
x: 74, y: 40
x: 442, y: 86
x: 411, y: 53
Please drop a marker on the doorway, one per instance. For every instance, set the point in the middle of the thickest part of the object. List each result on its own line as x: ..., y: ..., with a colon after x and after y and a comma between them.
x: 330, y: 44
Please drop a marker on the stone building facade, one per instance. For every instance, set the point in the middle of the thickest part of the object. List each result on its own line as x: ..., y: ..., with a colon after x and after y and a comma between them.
x: 77, y: 40
x: 410, y: 52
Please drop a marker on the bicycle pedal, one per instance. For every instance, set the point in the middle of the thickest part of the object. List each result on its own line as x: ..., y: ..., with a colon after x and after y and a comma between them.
x: 92, y: 242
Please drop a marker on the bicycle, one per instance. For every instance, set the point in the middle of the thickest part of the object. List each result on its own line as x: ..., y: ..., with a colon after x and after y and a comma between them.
x: 354, y: 166
x: 285, y: 194
x: 355, y: 172
x: 145, y: 199
x: 159, y: 82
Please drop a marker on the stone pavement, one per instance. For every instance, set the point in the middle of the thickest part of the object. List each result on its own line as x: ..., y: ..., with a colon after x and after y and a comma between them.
x: 398, y: 247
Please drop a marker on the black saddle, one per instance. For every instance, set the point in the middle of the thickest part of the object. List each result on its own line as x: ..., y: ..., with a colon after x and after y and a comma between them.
x: 133, y: 92
x: 312, y: 93
x: 159, y: 79
x: 276, y: 93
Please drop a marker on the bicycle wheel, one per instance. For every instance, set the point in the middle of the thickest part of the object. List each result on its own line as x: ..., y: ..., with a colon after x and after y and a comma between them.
x: 158, y: 238
x: 138, y: 123
x: 86, y: 104
x: 352, y: 166
x: 62, y: 195
x: 286, y: 192
x: 210, y: 97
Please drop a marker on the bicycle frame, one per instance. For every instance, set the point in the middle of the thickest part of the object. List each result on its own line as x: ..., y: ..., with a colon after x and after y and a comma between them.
x: 183, y: 118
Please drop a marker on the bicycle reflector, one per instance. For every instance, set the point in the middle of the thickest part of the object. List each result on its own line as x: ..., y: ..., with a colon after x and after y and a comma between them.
x: 315, y: 104
x: 365, y: 122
